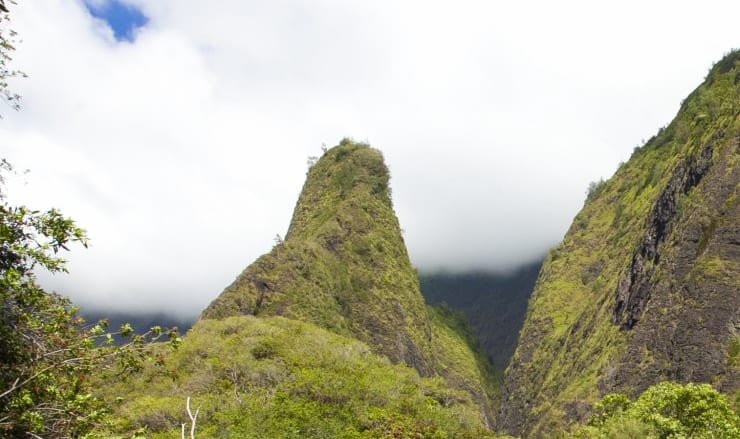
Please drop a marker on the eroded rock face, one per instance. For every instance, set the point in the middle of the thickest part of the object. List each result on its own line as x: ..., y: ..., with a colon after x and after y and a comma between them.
x: 645, y: 286
x: 691, y: 310
x: 634, y: 288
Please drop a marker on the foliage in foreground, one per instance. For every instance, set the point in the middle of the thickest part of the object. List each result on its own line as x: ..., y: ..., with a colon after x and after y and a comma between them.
x: 8, y: 38
x: 665, y: 411
x: 47, y: 352
x: 280, y: 378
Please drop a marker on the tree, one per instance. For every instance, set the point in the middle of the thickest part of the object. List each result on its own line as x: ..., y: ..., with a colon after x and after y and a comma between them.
x: 7, y: 46
x: 594, y: 189
x: 665, y: 411
x: 47, y: 352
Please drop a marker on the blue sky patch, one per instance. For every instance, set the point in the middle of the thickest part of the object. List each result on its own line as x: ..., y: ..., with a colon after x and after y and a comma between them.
x: 123, y: 18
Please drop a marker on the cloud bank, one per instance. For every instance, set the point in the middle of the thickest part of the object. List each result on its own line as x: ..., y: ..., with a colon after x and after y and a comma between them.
x: 183, y: 151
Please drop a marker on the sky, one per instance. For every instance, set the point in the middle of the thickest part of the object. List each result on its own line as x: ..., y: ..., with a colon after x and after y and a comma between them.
x: 177, y: 132
x: 123, y: 19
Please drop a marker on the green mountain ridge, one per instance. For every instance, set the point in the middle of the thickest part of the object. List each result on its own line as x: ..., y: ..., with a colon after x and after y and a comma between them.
x: 352, y: 349
x: 328, y: 334
x: 644, y: 286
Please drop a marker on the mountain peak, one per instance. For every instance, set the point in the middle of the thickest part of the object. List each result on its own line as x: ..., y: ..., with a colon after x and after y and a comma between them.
x: 343, y: 264
x: 350, y: 172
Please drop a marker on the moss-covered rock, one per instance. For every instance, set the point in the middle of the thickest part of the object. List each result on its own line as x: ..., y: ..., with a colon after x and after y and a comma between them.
x: 644, y: 286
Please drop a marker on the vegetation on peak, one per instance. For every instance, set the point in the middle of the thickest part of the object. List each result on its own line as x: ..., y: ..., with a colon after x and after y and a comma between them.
x: 349, y: 171
x: 643, y: 288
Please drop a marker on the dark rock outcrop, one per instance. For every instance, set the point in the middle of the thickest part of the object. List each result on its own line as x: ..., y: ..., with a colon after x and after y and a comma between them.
x: 633, y: 291
x: 694, y: 304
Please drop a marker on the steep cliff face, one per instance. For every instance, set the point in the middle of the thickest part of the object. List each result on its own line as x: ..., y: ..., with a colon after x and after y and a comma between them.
x: 343, y: 264
x: 644, y: 286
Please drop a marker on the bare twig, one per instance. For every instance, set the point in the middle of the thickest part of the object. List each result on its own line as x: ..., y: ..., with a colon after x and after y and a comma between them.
x: 193, y: 418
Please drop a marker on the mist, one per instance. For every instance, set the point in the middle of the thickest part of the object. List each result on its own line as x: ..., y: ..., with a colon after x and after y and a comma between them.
x: 182, y: 148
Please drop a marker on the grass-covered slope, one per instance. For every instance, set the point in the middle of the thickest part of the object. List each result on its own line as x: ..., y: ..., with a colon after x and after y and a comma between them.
x: 343, y: 264
x: 644, y: 286
x: 277, y: 378
x: 462, y: 362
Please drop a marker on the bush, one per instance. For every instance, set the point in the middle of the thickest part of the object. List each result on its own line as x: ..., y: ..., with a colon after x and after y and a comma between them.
x: 666, y: 411
x: 594, y: 189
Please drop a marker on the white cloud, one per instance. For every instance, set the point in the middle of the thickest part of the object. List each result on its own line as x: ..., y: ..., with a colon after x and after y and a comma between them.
x: 183, y: 152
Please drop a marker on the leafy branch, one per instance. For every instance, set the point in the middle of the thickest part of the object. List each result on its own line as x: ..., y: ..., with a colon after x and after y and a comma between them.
x: 49, y: 352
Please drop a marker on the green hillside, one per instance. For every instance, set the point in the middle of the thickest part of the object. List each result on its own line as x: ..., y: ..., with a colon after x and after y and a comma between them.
x: 325, y: 336
x: 328, y: 335
x: 271, y: 377
x: 643, y: 288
